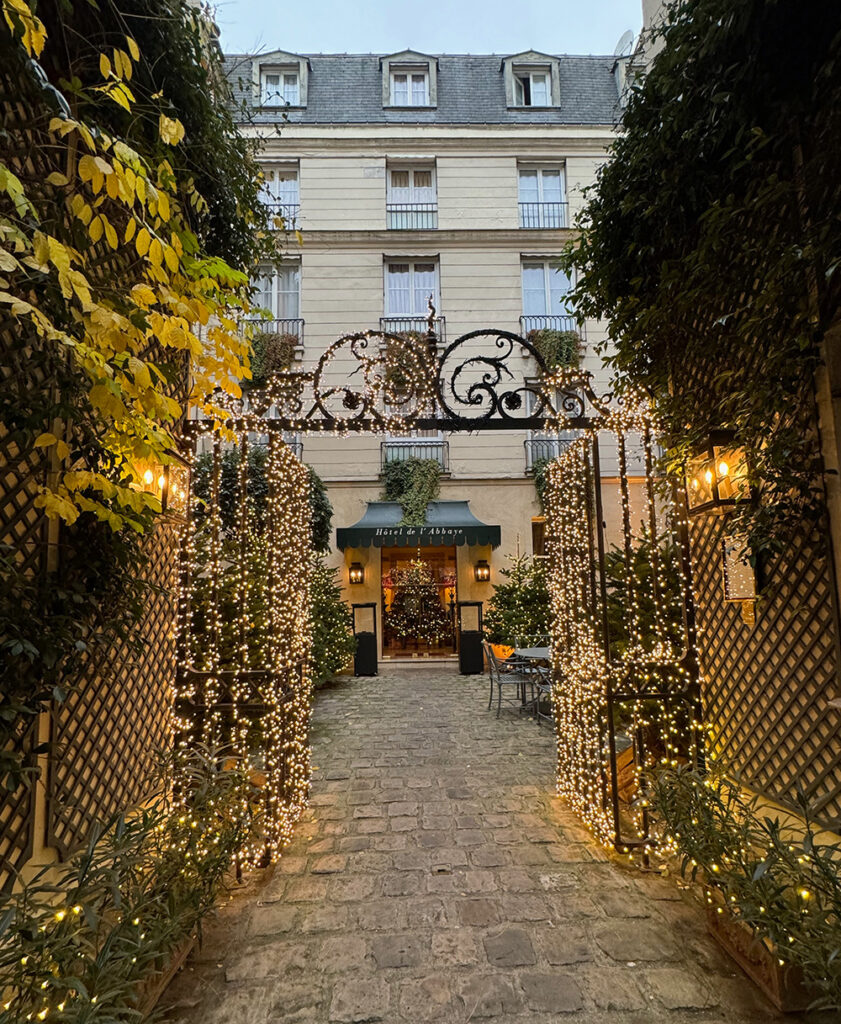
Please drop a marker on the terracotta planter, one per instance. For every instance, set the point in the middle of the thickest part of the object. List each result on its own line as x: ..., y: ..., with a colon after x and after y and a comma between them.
x: 782, y: 983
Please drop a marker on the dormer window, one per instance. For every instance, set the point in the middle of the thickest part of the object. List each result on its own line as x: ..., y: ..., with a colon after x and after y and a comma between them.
x: 410, y: 88
x: 280, y: 89
x: 532, y: 89
x: 532, y: 80
x: 410, y: 79
x: 279, y: 79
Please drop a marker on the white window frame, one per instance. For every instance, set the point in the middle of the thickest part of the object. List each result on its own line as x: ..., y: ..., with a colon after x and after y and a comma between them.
x: 412, y: 262
x: 548, y: 266
x: 278, y: 98
x: 531, y: 73
x: 409, y: 72
x: 413, y: 190
x: 540, y: 170
x: 275, y: 304
x: 270, y: 194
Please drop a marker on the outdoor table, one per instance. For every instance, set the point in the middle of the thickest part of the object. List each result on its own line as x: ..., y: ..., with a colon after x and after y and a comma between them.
x: 533, y: 653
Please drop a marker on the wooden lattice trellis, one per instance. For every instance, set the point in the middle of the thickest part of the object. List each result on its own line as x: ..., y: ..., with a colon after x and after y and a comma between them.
x: 766, y: 687
x: 117, y: 713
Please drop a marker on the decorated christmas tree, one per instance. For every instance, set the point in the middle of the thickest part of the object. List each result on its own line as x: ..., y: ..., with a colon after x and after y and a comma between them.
x: 416, y: 612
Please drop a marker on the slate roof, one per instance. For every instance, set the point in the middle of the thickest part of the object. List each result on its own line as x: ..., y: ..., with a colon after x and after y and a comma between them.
x: 346, y: 88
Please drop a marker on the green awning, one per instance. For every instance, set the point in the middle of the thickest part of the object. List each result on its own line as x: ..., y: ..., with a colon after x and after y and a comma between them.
x: 447, y: 522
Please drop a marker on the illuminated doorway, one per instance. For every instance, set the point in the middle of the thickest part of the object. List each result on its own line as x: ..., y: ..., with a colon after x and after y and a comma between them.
x: 419, y: 602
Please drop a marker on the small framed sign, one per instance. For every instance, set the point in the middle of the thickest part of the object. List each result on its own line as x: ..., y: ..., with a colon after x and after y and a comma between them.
x: 738, y: 575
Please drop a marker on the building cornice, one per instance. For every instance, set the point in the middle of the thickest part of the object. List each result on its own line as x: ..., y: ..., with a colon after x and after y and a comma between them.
x: 384, y: 241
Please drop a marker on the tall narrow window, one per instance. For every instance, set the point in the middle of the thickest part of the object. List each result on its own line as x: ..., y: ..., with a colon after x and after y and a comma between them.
x: 408, y: 288
x: 410, y: 88
x: 280, y: 192
x: 545, y: 290
x: 411, y: 202
x: 279, y: 290
x: 542, y: 197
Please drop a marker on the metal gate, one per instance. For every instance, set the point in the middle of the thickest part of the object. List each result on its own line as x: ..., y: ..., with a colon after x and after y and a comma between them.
x: 625, y: 679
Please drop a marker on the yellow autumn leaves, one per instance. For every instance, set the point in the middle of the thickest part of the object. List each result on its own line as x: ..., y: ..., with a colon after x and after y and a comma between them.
x: 140, y: 297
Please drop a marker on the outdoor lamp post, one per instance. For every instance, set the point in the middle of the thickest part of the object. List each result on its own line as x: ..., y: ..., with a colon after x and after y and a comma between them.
x: 356, y: 574
x: 716, y: 477
x: 482, y: 571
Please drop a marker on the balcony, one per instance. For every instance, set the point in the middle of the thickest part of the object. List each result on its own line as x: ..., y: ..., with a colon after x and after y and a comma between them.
x: 289, y: 212
x: 416, y: 448
x: 296, y: 447
x: 411, y: 216
x: 539, y: 448
x: 414, y: 325
x: 549, y: 323
x: 543, y: 215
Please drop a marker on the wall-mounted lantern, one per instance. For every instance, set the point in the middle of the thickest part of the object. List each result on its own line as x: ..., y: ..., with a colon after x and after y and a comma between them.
x: 169, y: 483
x: 717, y: 477
x: 482, y: 571
x: 356, y: 573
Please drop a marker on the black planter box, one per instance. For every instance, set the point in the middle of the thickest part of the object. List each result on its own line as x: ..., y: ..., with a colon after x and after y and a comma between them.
x: 470, y: 656
x: 365, y: 659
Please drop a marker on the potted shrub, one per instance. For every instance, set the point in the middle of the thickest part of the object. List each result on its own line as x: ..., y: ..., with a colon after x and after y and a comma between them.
x: 772, y: 888
x: 557, y: 348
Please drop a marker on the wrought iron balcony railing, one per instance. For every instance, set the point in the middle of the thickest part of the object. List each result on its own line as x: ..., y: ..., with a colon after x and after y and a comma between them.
x: 414, y: 325
x: 539, y: 448
x: 549, y: 323
x: 289, y: 211
x: 411, y: 216
x: 415, y: 448
x: 543, y: 215
x: 288, y: 327
x: 296, y: 447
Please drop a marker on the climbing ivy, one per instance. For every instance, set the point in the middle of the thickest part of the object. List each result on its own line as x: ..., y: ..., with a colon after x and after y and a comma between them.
x: 710, y: 240
x: 414, y: 483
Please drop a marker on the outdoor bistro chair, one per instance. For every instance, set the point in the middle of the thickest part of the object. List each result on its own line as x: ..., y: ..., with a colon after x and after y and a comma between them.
x: 541, y: 692
x: 508, y: 672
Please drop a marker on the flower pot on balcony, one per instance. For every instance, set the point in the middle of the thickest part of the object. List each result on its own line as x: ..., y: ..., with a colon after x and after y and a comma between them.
x: 782, y: 984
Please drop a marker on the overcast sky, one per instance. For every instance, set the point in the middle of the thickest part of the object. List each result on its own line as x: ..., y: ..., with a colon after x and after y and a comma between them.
x: 433, y: 26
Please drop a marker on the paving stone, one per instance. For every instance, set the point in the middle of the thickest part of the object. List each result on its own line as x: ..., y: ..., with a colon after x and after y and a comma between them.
x: 490, y: 995
x: 274, y: 919
x: 633, y: 941
x: 552, y: 993
x: 488, y: 857
x: 381, y: 915
x: 403, y: 808
x: 403, y: 824
x: 431, y: 999
x: 510, y: 948
x: 342, y: 953
x: 458, y: 947
x: 306, y: 890
x: 351, y: 844
x: 352, y: 888
x: 359, y: 999
x: 478, y: 913
x: 404, y: 884
x: 326, y: 917
x: 291, y: 865
x: 564, y: 945
x: 612, y: 988
x: 677, y: 989
x: 396, y: 950
x: 328, y: 865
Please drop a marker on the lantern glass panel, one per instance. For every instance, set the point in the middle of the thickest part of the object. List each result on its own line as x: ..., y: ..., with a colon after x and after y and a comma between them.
x: 732, y: 473
x: 699, y: 481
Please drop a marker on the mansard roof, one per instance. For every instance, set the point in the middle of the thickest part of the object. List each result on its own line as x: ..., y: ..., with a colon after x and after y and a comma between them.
x: 346, y: 88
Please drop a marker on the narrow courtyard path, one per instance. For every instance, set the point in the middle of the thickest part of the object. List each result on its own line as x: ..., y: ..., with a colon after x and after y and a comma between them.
x: 436, y: 878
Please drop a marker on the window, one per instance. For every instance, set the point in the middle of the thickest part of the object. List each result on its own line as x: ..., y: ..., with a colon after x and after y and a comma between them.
x: 410, y: 88
x: 545, y: 288
x: 541, y: 193
x: 279, y: 88
x: 408, y: 286
x: 279, y: 290
x: 411, y: 202
x: 280, y: 192
x: 532, y: 88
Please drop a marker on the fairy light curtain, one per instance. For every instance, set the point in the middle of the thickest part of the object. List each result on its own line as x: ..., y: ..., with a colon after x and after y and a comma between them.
x: 625, y: 686
x: 244, y: 640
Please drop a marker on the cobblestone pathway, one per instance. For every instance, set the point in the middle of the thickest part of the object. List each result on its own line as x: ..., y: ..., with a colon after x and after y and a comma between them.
x: 436, y: 878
